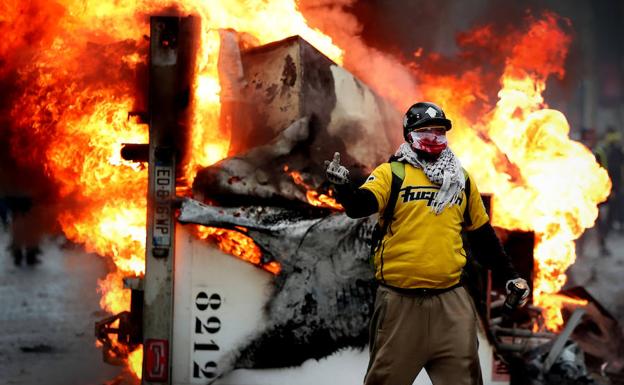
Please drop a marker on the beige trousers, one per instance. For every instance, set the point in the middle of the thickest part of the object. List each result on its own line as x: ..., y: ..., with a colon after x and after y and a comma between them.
x: 410, y: 332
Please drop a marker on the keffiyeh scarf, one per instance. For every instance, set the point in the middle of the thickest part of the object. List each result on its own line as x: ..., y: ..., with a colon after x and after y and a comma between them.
x: 446, y: 171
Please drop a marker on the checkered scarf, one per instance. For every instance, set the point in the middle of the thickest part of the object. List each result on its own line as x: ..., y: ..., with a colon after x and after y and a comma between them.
x: 446, y: 171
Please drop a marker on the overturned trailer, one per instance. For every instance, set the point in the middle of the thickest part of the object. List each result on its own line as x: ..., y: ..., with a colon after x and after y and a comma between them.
x: 298, y: 313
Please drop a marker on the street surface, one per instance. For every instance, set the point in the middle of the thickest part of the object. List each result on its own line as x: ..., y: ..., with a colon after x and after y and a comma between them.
x: 47, y: 319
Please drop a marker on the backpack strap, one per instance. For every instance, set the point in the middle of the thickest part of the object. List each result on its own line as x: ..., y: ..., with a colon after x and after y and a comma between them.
x: 467, y: 219
x: 398, y: 174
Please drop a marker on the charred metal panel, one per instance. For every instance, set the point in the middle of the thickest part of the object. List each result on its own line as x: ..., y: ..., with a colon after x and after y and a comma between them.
x: 273, y: 92
x: 352, y: 119
x: 518, y: 245
x: 323, y: 297
x: 291, y: 79
x: 288, y: 82
x: 235, y: 292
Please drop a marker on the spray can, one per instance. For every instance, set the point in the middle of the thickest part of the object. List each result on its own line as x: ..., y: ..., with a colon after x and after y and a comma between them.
x: 514, y: 297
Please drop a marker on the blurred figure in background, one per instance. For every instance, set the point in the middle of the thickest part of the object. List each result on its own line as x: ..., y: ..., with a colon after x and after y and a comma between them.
x: 4, y: 213
x: 25, y: 235
x: 31, y: 220
x: 589, y: 138
x: 28, y: 210
x: 614, y: 154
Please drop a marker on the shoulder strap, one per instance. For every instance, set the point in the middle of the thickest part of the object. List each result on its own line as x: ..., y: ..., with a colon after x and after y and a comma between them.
x: 467, y: 219
x: 398, y: 174
x: 398, y: 169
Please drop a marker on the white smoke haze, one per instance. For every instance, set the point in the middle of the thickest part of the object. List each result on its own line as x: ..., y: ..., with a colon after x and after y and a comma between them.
x: 380, y: 70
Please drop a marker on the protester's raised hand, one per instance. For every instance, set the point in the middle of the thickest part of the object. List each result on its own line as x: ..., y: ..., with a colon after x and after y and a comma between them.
x: 336, y: 173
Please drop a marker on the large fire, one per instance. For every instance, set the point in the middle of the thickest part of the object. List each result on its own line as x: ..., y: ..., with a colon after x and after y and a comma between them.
x: 77, y: 65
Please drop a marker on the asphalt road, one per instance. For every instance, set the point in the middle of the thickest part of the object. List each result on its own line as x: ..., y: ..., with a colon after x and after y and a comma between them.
x: 47, y: 316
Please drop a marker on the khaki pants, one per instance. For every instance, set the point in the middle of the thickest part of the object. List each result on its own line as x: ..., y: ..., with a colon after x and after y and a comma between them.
x: 436, y: 332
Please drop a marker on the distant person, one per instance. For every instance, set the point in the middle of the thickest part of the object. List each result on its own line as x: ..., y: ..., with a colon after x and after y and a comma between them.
x: 614, y: 162
x: 26, y: 230
x: 589, y: 138
x: 4, y: 213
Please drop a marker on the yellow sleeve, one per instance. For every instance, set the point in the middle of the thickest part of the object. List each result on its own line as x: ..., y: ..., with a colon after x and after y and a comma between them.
x: 379, y: 183
x: 475, y: 208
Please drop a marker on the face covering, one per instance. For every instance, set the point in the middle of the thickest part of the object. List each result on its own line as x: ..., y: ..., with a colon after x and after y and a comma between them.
x: 428, y: 142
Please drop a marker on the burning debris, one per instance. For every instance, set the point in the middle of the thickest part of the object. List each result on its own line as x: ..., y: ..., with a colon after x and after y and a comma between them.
x: 289, y: 84
x: 257, y: 176
x: 263, y: 175
x: 599, y: 335
x: 538, y: 358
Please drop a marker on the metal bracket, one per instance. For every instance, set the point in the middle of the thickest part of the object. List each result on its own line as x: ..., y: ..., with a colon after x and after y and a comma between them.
x: 114, y: 353
x: 562, y: 338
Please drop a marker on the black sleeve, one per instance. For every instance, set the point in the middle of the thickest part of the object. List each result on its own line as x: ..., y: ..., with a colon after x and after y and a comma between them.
x: 489, y: 252
x: 358, y: 202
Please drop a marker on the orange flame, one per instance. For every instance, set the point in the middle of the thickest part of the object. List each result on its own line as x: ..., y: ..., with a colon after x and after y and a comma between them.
x: 553, y: 303
x: 237, y: 244
x: 314, y: 197
x: 135, y: 361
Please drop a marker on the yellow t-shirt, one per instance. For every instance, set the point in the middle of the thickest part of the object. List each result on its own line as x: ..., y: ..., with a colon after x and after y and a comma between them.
x: 421, y: 249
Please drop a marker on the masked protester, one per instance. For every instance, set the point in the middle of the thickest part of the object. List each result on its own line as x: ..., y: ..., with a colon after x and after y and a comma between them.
x: 423, y: 317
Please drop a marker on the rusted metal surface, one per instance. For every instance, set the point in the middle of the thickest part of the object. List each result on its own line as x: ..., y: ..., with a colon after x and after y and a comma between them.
x: 272, y: 97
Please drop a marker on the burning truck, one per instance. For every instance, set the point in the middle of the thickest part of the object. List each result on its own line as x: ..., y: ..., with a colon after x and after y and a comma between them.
x: 228, y: 144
